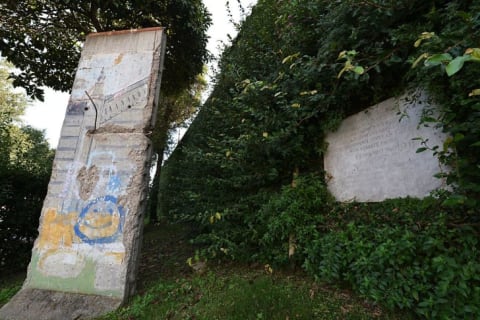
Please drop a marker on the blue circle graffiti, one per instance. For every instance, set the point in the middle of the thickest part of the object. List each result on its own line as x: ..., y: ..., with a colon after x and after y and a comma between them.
x: 101, y: 221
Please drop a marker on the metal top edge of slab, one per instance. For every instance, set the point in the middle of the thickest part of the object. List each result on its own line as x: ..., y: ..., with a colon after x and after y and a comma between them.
x: 119, y: 32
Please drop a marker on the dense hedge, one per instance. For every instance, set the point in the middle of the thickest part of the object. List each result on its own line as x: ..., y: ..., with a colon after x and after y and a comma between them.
x: 404, y: 253
x: 433, y: 270
x: 296, y: 69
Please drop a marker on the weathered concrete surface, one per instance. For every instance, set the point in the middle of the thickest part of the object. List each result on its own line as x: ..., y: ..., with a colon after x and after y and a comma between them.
x: 92, y: 218
x: 54, y: 305
x: 372, y: 156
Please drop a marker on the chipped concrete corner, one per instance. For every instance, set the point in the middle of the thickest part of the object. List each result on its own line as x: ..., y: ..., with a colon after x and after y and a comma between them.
x: 91, y: 223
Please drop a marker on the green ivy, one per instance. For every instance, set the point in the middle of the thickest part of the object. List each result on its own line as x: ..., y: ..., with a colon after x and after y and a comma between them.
x: 428, y: 265
x: 295, y: 70
x: 291, y: 217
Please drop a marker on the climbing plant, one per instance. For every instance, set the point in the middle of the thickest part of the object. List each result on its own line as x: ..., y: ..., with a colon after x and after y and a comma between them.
x: 295, y: 70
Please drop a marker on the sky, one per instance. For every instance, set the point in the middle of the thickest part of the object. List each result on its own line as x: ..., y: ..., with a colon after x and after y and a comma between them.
x: 49, y: 115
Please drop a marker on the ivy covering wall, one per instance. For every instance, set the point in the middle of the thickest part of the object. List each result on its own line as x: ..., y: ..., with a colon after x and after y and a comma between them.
x: 248, y: 174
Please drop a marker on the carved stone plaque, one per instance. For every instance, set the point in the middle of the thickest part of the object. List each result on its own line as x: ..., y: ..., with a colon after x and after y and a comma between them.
x: 373, y: 155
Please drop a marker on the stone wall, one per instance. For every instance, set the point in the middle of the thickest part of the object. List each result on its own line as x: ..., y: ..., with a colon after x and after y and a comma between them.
x: 372, y: 156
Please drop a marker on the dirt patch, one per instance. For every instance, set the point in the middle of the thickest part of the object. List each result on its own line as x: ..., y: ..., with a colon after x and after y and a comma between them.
x: 165, y: 251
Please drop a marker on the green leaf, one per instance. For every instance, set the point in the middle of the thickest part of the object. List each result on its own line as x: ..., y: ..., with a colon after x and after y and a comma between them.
x: 290, y: 58
x: 421, y: 149
x: 415, y: 295
x: 456, y: 65
x: 358, y: 70
x: 454, y: 200
x: 342, y: 55
x: 458, y: 137
x: 429, y: 119
x: 438, y: 59
x: 424, y: 36
x: 420, y: 58
x: 474, y: 52
x: 476, y: 144
x: 474, y: 92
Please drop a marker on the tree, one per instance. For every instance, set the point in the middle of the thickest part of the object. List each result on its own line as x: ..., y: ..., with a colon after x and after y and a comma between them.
x: 44, y: 38
x: 12, y: 106
x: 175, y: 111
x: 25, y: 167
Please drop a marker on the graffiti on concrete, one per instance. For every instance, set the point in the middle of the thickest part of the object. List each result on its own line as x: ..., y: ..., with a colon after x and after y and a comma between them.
x: 92, y: 217
x: 123, y: 100
x: 100, y: 221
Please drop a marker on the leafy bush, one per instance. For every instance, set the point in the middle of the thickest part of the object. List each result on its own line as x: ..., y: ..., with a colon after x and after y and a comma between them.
x: 232, y: 233
x: 296, y: 69
x: 453, y: 33
x: 282, y: 86
x: 22, y: 192
x: 429, y: 265
x: 291, y: 217
x: 25, y: 167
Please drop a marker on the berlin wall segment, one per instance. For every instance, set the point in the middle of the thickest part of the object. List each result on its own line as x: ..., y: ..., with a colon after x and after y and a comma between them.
x: 85, y: 258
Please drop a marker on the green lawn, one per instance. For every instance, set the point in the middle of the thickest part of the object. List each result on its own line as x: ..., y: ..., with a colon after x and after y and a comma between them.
x: 247, y: 294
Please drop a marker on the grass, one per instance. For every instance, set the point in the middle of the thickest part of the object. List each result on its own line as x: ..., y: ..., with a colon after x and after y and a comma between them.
x: 9, y: 286
x: 245, y: 295
x: 169, y: 289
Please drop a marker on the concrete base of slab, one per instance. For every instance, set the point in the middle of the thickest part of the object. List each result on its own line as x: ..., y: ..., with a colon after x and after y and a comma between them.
x: 52, y: 305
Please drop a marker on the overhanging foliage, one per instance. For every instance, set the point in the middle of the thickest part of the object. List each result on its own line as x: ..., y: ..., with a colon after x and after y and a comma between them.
x: 44, y: 38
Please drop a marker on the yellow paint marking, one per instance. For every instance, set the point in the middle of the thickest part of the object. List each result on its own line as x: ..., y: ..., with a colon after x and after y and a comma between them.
x: 119, y: 58
x: 118, y: 256
x: 100, y: 225
x: 56, y: 230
